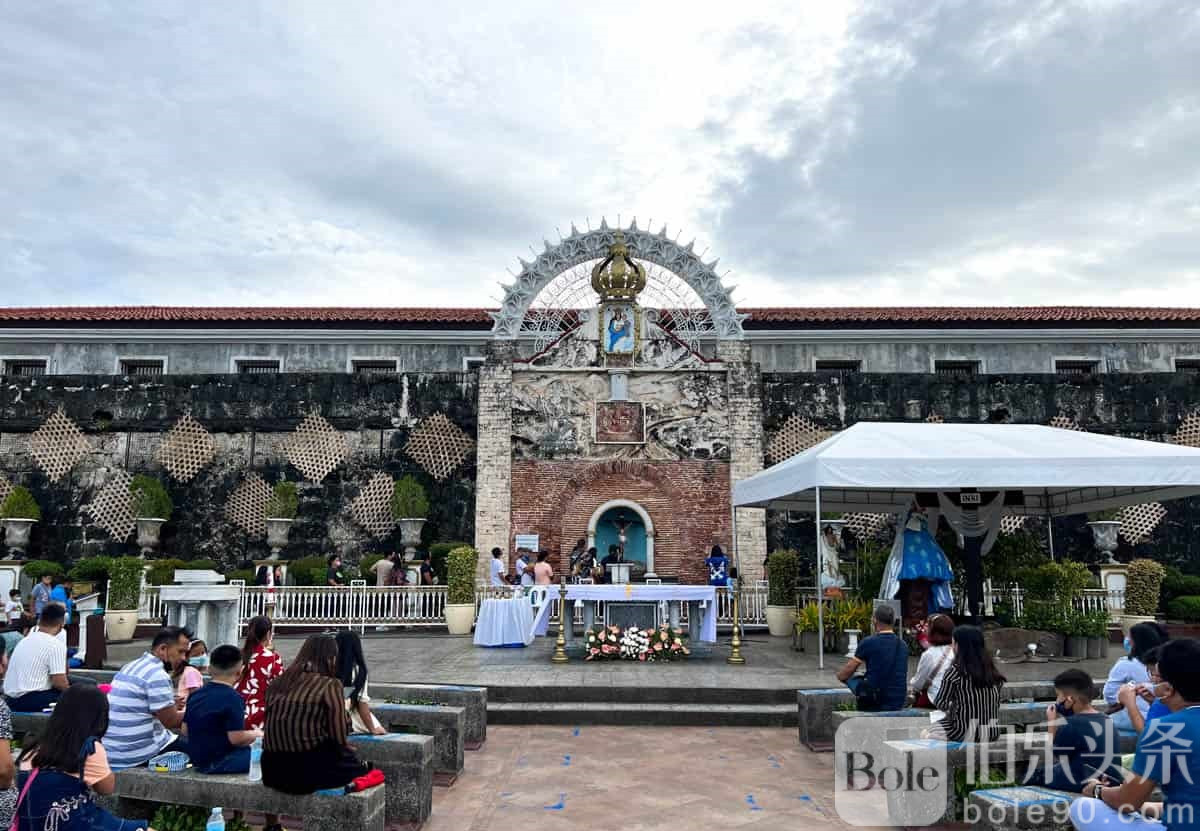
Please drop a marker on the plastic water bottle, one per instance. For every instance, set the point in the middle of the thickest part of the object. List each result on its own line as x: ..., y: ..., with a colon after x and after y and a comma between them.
x: 255, y: 774
x: 216, y: 821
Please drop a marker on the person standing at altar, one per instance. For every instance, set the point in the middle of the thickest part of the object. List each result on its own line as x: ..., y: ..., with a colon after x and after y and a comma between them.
x: 543, y: 573
x: 497, y: 568
x: 718, y: 567
x: 615, y: 555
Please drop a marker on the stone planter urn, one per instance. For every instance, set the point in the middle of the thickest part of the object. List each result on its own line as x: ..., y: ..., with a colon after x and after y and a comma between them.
x: 278, y: 529
x: 148, y: 531
x: 780, y: 620
x: 410, y: 535
x: 460, y: 617
x: 1076, y: 646
x: 1097, y: 647
x: 16, y: 536
x: 1104, y: 534
x: 119, y: 625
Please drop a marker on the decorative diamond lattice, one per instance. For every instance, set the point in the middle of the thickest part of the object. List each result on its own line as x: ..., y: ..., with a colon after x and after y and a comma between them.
x: 5, y: 489
x: 247, y: 505
x: 1188, y: 433
x: 58, y: 445
x: 1139, y: 521
x: 1064, y: 422
x: 1010, y: 524
x: 372, y: 508
x: 934, y: 418
x: 438, y: 445
x: 865, y: 526
x: 186, y: 449
x: 795, y: 435
x: 316, y: 448
x: 112, y: 506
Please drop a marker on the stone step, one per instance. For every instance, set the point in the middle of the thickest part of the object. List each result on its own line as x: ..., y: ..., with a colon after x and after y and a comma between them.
x: 607, y: 694
x: 645, y: 714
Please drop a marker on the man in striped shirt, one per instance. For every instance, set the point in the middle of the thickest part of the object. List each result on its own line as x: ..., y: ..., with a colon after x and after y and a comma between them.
x: 142, y: 706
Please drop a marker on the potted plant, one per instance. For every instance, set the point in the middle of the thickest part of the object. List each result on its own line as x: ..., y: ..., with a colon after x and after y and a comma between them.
x: 460, y: 590
x: 1105, y: 528
x: 410, y: 508
x: 1143, y: 583
x: 1097, y: 646
x: 807, y: 626
x: 152, y: 507
x: 281, y: 512
x: 124, y: 591
x: 783, y: 569
x: 18, y: 511
x: 1076, y: 627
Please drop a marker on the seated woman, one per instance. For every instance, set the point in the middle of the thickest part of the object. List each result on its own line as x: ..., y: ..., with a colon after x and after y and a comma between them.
x: 931, y: 669
x: 63, y: 767
x: 305, y: 748
x: 970, y: 693
x: 260, y: 666
x: 352, y: 670
x: 1131, y: 669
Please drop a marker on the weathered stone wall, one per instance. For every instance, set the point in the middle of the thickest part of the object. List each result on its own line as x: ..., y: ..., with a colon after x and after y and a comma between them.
x: 746, y: 439
x: 494, y: 453
x: 249, y: 417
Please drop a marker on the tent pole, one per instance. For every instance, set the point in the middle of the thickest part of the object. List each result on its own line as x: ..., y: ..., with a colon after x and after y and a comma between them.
x: 820, y: 605
x: 1049, y: 524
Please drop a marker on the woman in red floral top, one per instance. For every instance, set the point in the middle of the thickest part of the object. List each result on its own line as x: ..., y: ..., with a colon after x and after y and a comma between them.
x: 260, y: 666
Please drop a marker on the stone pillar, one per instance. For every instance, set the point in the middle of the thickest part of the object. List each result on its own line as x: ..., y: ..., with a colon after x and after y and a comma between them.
x: 745, y: 450
x: 201, y: 601
x: 493, y: 477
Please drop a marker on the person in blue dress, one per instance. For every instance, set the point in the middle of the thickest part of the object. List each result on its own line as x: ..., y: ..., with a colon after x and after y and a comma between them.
x: 1168, y: 756
x: 718, y: 567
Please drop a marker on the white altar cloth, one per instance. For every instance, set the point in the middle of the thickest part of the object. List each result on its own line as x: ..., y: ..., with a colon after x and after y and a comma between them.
x: 504, y: 622
x: 706, y: 595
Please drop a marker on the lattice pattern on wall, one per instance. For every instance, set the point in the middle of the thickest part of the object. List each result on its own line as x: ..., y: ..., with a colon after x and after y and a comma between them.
x: 865, y: 526
x: 795, y: 435
x: 5, y: 489
x: 247, y: 505
x: 1139, y: 521
x: 1010, y: 524
x: 186, y: 449
x: 1064, y: 422
x: 58, y: 445
x: 316, y: 448
x: 438, y: 445
x: 934, y: 418
x: 1188, y: 433
x: 112, y: 506
x: 372, y: 508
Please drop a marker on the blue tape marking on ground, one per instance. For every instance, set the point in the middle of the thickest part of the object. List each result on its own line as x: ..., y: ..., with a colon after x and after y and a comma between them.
x: 558, y: 806
x: 754, y: 806
x: 1012, y: 800
x: 566, y: 761
x: 575, y: 732
x: 505, y: 794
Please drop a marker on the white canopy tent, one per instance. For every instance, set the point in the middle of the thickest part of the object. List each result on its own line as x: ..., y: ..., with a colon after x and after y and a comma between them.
x: 880, y: 467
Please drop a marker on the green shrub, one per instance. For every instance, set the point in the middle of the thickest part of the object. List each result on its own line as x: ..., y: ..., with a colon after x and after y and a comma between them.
x: 185, y: 818
x: 1177, y: 584
x: 244, y: 574
x: 20, y: 504
x: 1012, y: 555
x: 1142, y: 586
x: 1055, y: 582
x: 409, y: 500
x: 1185, y: 608
x: 1096, y: 624
x: 872, y: 558
x: 92, y: 568
x: 162, y: 572
x: 1044, y: 616
x: 438, y: 552
x: 783, y: 569
x: 36, y: 568
x: 283, y: 502
x: 310, y: 571
x: 150, y: 498
x: 460, y: 575
x: 125, y: 583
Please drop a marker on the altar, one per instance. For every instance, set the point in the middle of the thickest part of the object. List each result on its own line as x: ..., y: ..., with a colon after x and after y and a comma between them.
x: 601, y: 601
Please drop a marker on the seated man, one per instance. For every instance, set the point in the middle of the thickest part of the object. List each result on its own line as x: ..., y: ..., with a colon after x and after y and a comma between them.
x: 142, y: 703
x: 215, y: 716
x: 1083, y: 738
x: 884, y: 685
x: 37, y: 668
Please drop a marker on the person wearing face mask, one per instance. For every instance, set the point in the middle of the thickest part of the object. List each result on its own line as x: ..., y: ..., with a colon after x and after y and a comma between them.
x: 189, y: 675
x: 1167, y: 757
x: 1132, y: 669
x: 1130, y: 695
x: 1082, y: 737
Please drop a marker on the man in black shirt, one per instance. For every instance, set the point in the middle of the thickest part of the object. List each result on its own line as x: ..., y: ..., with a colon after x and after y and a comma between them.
x: 886, y: 657
x: 1084, y: 738
x: 615, y: 555
x: 426, y: 570
x: 333, y: 574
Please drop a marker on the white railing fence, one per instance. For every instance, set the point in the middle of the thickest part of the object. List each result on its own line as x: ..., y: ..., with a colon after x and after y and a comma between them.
x: 1013, y: 598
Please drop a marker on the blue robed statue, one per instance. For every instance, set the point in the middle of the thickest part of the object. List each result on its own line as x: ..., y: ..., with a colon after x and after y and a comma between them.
x: 620, y: 332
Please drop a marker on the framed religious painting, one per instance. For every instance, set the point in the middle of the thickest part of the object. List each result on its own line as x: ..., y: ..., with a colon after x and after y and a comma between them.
x: 620, y: 330
x: 620, y: 422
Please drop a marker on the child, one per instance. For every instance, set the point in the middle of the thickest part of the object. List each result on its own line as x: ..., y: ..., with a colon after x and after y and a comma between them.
x: 1083, y: 737
x: 188, y: 676
x: 13, y: 608
x: 217, y: 742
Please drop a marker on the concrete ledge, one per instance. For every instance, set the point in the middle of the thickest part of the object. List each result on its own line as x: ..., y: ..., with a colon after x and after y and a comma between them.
x: 446, y: 724
x: 138, y: 789
x: 407, y: 764
x: 25, y: 724
x: 1029, y: 809
x: 474, y: 700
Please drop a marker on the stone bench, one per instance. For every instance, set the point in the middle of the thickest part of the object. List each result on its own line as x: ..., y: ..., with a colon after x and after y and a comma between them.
x: 472, y: 699
x: 139, y: 790
x: 1027, y: 808
x: 446, y: 724
x: 1024, y: 714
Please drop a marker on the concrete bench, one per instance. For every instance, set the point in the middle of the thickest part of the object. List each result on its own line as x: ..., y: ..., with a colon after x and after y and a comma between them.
x: 407, y: 764
x: 139, y: 790
x: 1030, y: 809
x: 1024, y: 714
x: 472, y: 699
x: 445, y: 724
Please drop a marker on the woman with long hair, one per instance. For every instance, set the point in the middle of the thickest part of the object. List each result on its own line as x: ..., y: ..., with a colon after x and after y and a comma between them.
x: 1131, y: 669
x: 935, y: 660
x: 352, y: 670
x: 970, y: 693
x: 260, y: 666
x: 65, y: 764
x: 305, y: 748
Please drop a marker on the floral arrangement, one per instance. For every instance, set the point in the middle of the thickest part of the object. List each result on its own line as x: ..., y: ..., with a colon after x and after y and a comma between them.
x: 611, y: 643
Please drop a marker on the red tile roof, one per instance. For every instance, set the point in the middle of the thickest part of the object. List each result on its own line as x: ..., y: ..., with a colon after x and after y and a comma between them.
x: 776, y: 317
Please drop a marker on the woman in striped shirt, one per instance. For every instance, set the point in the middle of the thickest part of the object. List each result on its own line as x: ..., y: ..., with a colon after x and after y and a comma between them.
x: 305, y: 746
x: 970, y: 692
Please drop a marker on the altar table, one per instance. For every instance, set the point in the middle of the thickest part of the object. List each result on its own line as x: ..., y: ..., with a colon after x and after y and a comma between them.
x: 701, y: 600
x: 504, y: 622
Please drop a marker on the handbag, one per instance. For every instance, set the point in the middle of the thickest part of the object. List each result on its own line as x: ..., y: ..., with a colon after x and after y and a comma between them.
x: 923, y: 700
x: 868, y: 696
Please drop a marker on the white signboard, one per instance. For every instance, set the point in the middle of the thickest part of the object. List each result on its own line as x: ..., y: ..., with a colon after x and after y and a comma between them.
x: 528, y: 541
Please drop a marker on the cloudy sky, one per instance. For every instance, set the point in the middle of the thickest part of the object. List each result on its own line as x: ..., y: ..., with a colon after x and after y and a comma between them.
x: 407, y: 153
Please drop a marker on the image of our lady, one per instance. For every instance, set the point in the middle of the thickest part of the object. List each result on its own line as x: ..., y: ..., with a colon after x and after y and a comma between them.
x: 620, y: 332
